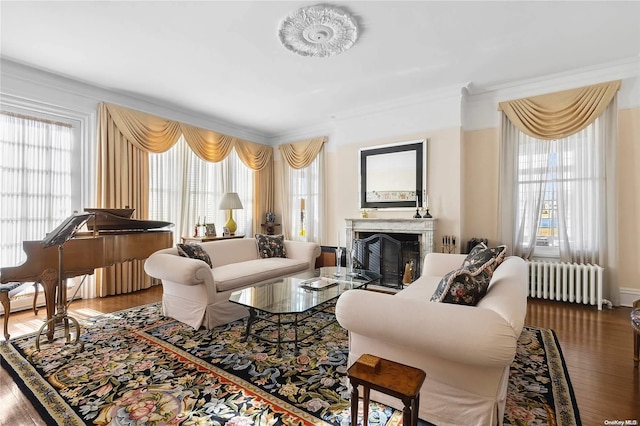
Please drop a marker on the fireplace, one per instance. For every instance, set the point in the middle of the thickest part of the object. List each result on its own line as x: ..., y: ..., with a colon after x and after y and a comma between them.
x: 386, y: 245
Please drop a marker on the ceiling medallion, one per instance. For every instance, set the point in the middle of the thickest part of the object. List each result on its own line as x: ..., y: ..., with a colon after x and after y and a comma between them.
x: 318, y: 31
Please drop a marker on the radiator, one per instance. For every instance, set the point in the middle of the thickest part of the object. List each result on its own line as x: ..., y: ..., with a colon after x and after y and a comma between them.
x: 566, y: 282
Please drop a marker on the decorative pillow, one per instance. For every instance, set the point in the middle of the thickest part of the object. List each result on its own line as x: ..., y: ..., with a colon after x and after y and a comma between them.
x: 270, y: 245
x: 194, y: 251
x: 463, y: 286
x: 469, y: 284
x: 480, y: 255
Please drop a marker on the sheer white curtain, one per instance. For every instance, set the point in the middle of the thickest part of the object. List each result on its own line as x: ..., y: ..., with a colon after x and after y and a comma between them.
x: 185, y: 189
x: 569, y: 174
x: 36, y: 173
x: 305, y: 184
x: 533, y: 166
x: 582, y: 189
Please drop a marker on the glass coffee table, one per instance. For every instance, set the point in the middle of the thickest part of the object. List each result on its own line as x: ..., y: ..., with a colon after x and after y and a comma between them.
x: 291, y: 301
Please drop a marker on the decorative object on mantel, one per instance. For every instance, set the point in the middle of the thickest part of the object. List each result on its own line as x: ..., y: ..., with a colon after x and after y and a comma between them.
x: 426, y: 215
x: 449, y: 244
x: 417, y: 215
x: 318, y: 31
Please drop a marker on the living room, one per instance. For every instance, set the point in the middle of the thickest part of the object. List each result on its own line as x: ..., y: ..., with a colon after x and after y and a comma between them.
x: 459, y: 122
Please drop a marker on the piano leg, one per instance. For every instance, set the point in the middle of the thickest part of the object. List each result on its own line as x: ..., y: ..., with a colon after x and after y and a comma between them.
x: 49, y: 280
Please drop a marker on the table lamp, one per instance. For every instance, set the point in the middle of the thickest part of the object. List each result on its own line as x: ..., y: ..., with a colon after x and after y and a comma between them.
x: 230, y: 201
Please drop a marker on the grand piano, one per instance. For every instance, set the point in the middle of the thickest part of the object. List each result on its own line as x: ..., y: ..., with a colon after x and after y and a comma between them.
x: 112, y: 237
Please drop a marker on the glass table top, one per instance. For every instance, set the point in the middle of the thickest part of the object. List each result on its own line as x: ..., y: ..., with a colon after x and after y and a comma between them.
x: 303, y: 291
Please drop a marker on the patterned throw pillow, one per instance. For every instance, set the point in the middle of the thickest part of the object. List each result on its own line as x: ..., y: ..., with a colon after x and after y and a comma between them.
x: 469, y: 284
x: 270, y: 245
x: 194, y: 251
x: 481, y: 254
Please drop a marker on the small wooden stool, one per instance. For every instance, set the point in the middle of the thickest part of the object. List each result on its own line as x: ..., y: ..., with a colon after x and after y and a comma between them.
x: 391, y: 378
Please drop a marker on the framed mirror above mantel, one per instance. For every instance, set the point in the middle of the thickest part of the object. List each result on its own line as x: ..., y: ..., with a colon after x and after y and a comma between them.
x: 394, y: 176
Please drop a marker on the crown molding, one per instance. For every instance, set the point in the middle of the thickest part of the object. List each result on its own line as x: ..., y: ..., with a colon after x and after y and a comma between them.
x: 95, y: 93
x: 342, y: 118
x: 625, y: 68
x: 455, y: 91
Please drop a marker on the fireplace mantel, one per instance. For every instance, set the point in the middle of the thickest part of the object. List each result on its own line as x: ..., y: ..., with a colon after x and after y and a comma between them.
x: 424, y: 228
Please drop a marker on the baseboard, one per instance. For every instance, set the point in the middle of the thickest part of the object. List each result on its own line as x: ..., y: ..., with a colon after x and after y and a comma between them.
x: 628, y: 296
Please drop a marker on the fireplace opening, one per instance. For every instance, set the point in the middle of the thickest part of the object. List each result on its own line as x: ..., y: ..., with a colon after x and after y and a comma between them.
x: 387, y: 254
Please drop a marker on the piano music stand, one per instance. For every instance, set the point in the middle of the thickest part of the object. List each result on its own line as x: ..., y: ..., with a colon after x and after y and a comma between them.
x: 63, y: 233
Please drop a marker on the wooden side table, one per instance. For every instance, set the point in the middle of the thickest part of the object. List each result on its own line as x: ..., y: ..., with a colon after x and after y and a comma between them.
x: 389, y: 377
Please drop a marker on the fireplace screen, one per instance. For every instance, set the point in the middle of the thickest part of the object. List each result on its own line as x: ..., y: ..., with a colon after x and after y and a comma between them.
x: 387, y: 256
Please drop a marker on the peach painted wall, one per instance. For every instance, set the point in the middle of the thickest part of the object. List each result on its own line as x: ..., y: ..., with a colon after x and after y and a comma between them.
x: 444, y: 182
x: 629, y: 204
x: 480, y: 185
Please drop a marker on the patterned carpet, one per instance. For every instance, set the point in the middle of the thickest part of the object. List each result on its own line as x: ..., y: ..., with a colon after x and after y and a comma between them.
x: 138, y: 367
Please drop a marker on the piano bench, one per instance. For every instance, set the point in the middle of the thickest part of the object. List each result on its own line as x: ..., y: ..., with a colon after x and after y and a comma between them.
x: 7, y: 291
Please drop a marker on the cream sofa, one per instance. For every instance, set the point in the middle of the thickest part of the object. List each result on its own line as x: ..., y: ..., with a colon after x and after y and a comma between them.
x: 195, y: 294
x: 466, y: 351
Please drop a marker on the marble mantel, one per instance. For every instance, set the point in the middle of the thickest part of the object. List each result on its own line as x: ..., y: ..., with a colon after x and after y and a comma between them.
x: 424, y: 228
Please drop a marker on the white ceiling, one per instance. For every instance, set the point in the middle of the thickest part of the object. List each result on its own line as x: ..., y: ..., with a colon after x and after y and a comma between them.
x: 223, y: 58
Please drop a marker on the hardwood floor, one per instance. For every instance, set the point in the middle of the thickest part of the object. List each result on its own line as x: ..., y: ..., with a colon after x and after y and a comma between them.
x: 597, y: 346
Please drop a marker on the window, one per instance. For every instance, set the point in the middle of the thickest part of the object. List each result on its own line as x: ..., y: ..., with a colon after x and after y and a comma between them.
x: 38, y: 190
x: 304, y: 191
x: 560, y: 188
x: 185, y: 190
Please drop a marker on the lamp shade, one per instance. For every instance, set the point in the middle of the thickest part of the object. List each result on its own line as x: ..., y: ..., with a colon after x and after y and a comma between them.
x: 230, y: 200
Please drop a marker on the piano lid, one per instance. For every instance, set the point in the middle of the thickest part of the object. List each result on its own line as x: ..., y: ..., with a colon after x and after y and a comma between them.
x: 120, y: 220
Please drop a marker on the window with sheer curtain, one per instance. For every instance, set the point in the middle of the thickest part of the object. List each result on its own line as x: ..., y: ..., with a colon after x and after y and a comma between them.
x: 36, y: 172
x: 561, y: 202
x: 185, y: 189
x: 304, y: 184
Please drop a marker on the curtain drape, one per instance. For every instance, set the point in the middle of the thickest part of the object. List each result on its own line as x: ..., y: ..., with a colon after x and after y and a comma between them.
x: 533, y: 155
x: 582, y: 187
x: 303, y: 178
x: 125, y: 137
x: 560, y: 114
x: 301, y: 154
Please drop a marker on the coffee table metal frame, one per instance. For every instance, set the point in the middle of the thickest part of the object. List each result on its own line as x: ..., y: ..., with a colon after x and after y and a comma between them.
x: 272, y: 302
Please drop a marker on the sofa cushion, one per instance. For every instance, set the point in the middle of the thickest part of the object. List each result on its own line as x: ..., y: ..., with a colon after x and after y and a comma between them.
x: 250, y: 272
x: 194, y: 251
x: 468, y: 284
x: 270, y: 246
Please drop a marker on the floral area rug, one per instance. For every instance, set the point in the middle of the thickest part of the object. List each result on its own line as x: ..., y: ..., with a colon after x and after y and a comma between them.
x: 138, y: 367
x: 540, y: 392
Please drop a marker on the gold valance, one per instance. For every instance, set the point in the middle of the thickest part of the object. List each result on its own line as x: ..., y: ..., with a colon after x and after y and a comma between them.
x: 155, y: 134
x: 301, y: 154
x: 561, y: 114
